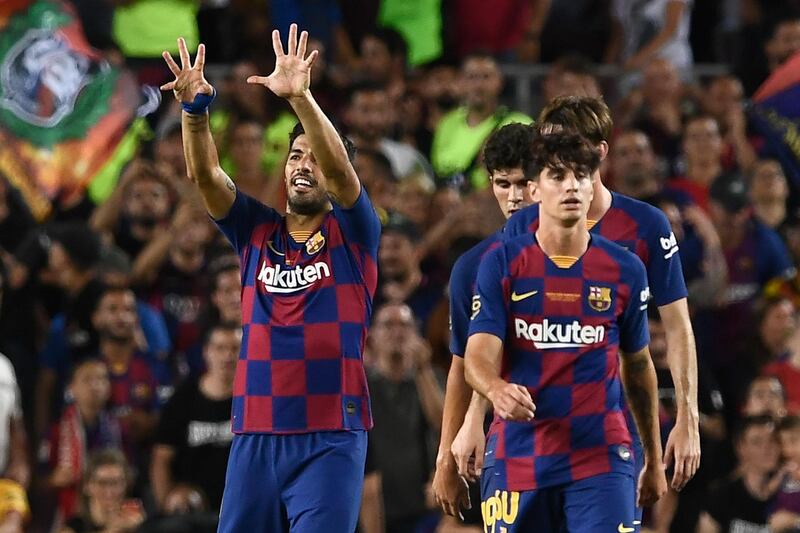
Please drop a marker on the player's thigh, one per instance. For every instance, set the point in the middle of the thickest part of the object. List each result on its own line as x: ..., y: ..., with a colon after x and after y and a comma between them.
x: 600, y: 504
x: 505, y: 511
x: 323, y: 492
x: 251, y: 500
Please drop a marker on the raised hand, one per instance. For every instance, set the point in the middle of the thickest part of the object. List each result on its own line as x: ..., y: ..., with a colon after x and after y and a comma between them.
x: 292, y: 74
x: 189, y: 80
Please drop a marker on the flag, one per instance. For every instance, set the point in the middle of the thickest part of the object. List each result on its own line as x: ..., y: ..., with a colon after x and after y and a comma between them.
x: 64, y: 109
x: 775, y: 113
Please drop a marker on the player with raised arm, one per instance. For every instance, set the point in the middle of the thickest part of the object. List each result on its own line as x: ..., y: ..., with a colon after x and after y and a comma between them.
x: 300, y: 400
x: 554, y: 311
x: 504, y: 155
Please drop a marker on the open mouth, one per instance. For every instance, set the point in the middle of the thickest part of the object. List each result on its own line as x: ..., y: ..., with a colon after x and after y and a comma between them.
x: 303, y: 184
x: 572, y: 203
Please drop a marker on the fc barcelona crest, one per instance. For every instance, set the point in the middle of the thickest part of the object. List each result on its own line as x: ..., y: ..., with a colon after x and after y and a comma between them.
x: 600, y: 298
x: 315, y: 243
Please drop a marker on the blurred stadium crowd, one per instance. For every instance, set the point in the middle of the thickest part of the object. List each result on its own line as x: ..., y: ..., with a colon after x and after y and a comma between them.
x: 119, y: 325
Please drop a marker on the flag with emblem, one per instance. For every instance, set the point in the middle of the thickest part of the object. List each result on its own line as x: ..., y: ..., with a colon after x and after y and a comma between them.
x: 775, y: 113
x: 64, y: 109
x: 600, y: 298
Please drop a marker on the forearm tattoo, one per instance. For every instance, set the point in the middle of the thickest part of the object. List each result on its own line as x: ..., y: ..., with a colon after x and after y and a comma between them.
x: 640, y: 388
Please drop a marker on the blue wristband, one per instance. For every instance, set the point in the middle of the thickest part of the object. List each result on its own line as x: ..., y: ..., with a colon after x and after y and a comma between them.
x: 200, y: 103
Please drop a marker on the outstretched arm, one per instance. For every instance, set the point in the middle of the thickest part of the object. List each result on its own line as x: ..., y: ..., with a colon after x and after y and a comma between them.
x: 202, y: 161
x: 291, y: 80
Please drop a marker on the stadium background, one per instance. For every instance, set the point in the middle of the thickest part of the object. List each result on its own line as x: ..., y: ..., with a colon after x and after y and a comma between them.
x: 93, y: 194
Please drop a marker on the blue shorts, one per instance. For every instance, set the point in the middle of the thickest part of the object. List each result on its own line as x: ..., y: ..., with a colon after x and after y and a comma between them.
x: 300, y: 483
x: 597, y: 504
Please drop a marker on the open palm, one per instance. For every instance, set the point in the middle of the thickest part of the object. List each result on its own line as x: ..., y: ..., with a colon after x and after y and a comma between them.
x: 189, y: 80
x: 292, y: 74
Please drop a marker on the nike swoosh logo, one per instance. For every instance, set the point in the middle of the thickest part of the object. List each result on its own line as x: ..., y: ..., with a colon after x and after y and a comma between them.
x: 622, y: 529
x: 517, y: 297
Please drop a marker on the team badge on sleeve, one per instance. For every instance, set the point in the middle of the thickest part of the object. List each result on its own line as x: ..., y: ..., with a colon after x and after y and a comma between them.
x: 600, y: 298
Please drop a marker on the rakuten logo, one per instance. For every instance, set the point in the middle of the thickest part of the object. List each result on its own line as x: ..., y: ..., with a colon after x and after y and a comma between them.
x: 278, y: 280
x: 547, y: 335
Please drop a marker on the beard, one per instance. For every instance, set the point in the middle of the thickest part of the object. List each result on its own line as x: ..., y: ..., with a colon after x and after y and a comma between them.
x: 308, y: 204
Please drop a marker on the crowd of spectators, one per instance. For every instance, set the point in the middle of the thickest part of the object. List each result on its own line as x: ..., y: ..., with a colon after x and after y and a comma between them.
x: 120, y: 320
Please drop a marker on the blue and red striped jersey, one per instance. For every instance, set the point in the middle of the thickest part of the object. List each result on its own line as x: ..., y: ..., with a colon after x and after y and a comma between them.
x: 462, y: 289
x: 305, y: 313
x: 562, y: 332
x: 637, y: 226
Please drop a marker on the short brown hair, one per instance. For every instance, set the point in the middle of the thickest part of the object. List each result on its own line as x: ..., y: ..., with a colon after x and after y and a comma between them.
x: 587, y: 115
x: 558, y: 149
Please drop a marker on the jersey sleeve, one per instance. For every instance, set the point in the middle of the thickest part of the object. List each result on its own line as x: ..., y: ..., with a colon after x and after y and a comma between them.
x: 360, y: 223
x: 244, y: 215
x: 664, y: 272
x: 633, y: 332
x: 489, y: 309
x: 460, y: 306
x: 520, y: 222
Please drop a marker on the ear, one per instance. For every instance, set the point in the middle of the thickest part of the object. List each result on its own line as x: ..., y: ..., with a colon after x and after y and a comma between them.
x: 533, y: 189
x: 603, y: 150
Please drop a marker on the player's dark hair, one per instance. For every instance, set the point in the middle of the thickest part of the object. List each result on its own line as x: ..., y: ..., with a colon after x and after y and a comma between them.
x: 587, y: 115
x: 508, y: 148
x: 789, y: 423
x: 298, y: 130
x: 81, y: 244
x: 561, y: 149
x: 749, y: 422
